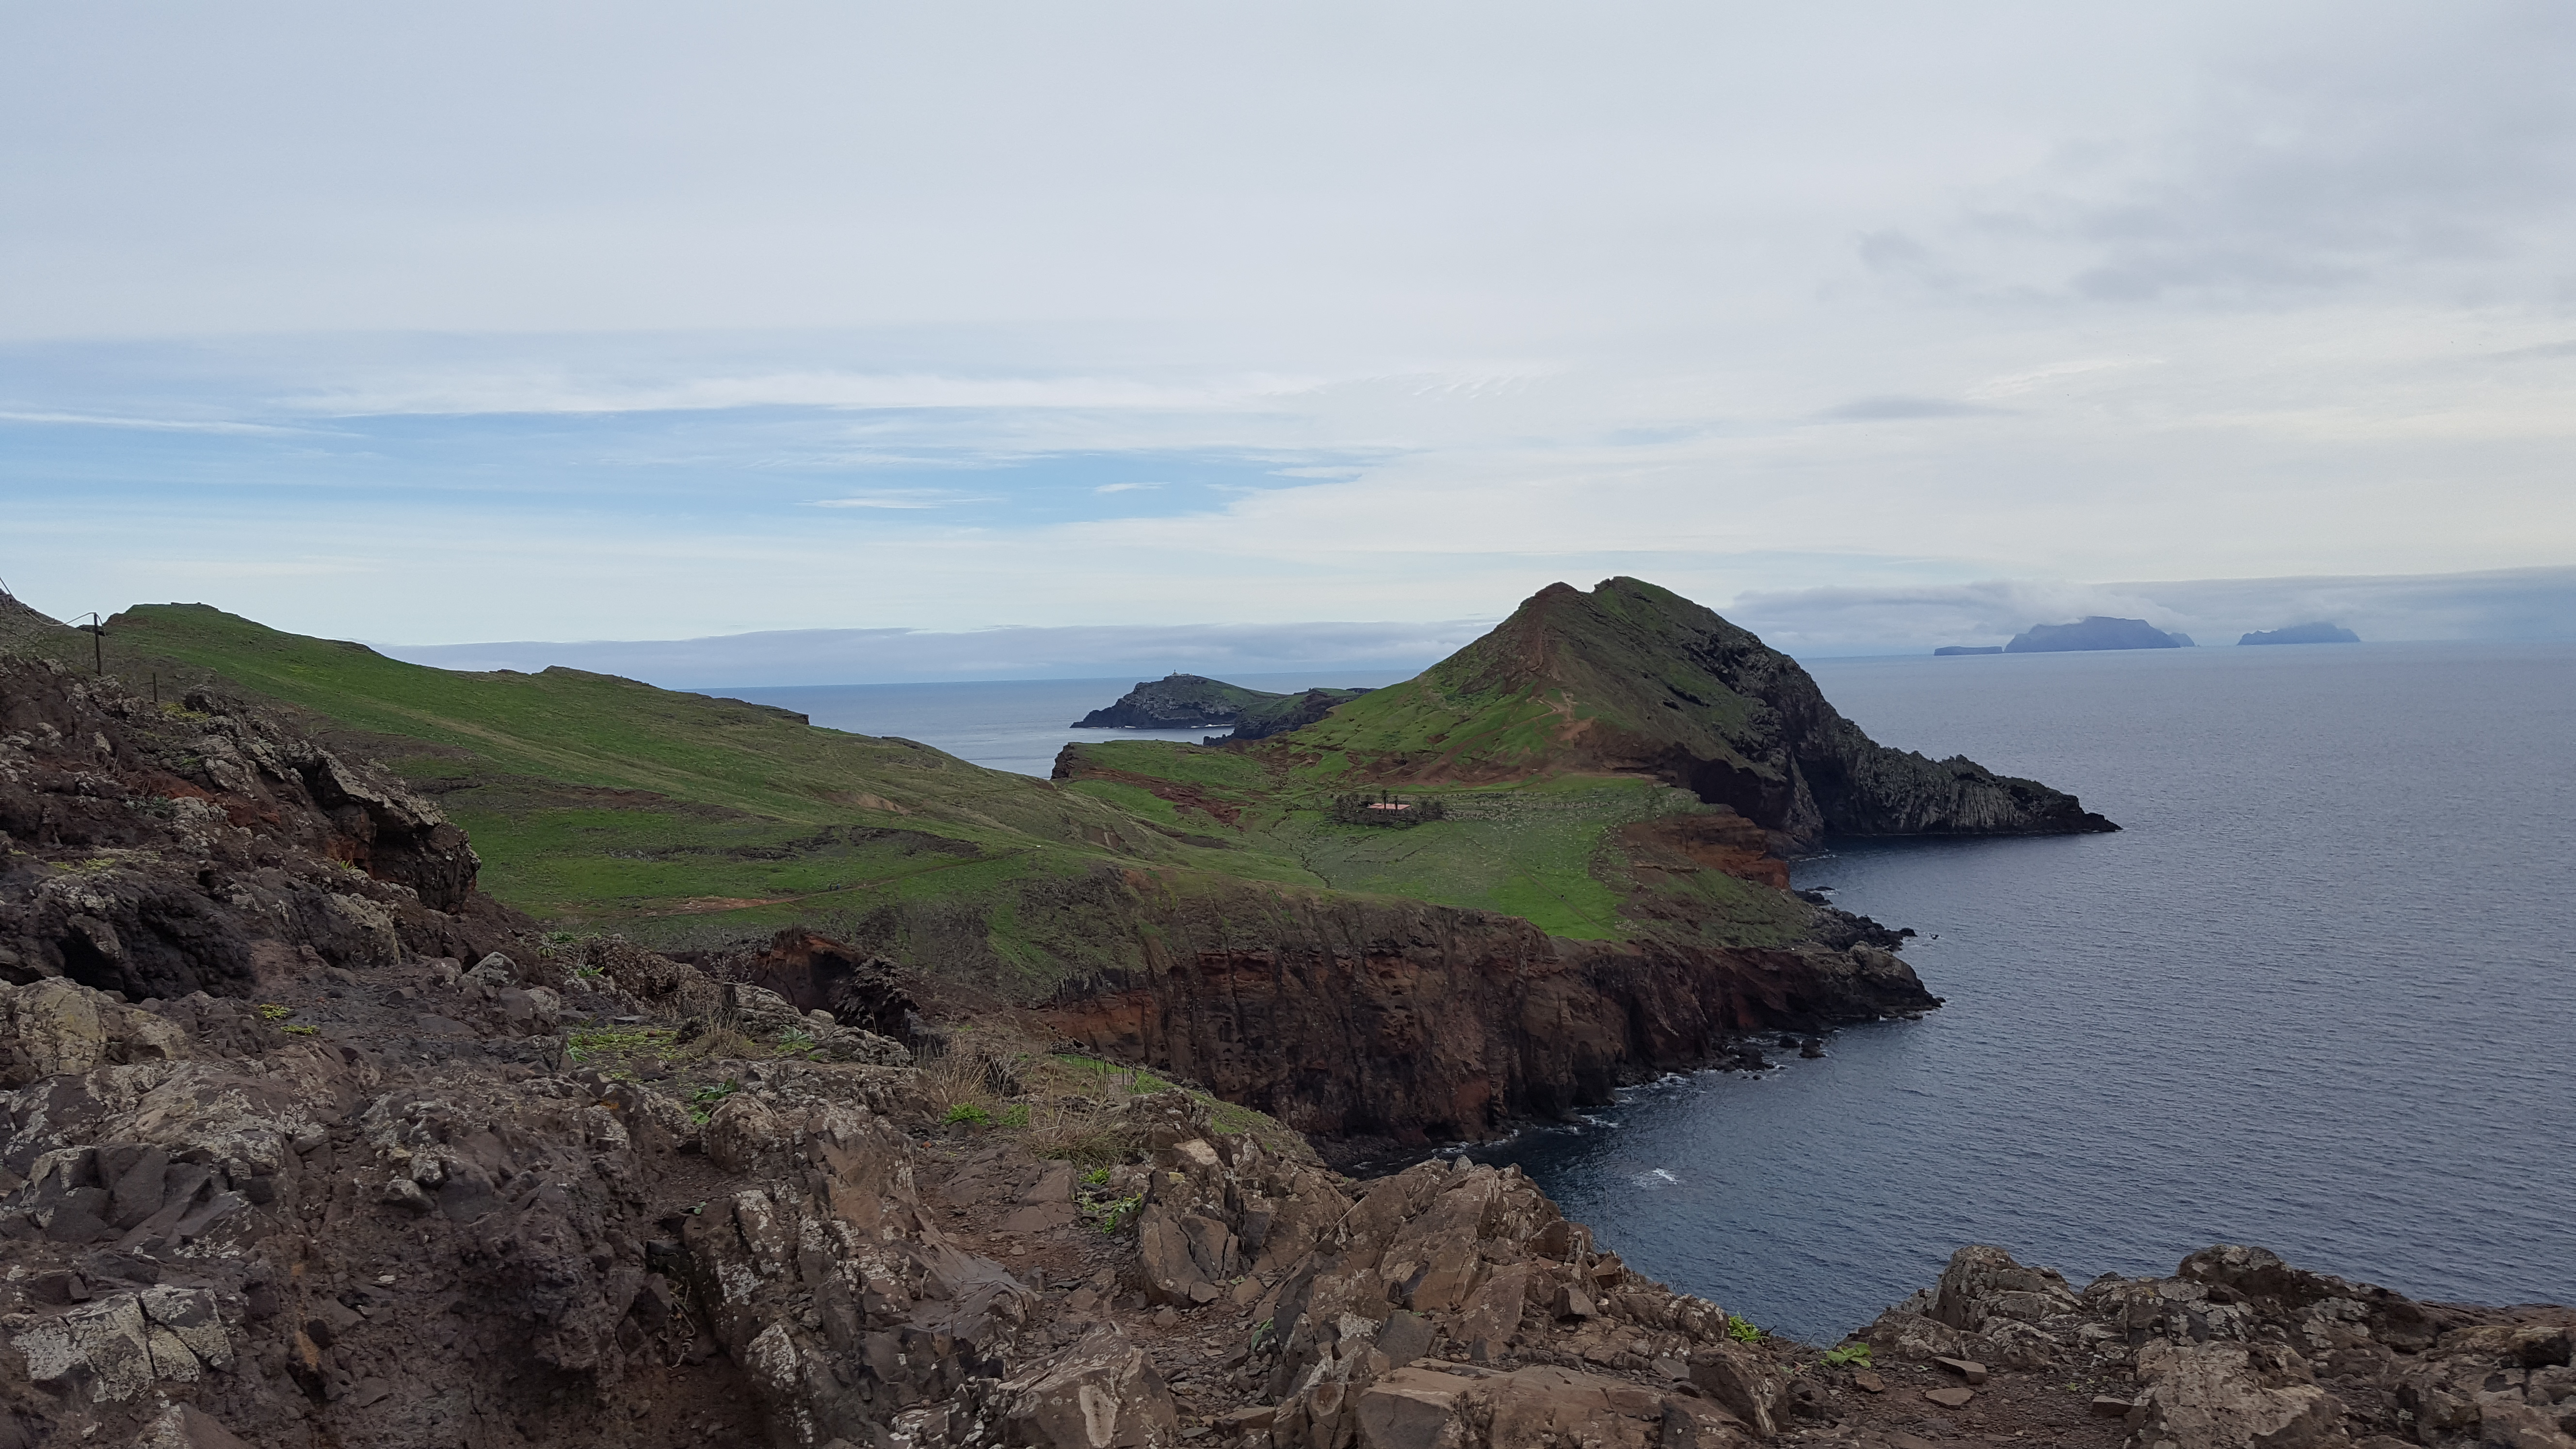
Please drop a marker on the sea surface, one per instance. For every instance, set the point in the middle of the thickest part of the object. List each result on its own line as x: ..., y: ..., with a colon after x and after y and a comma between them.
x: 1017, y: 725
x: 2320, y: 993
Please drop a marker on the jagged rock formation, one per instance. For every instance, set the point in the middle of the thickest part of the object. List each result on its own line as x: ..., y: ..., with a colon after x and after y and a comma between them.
x: 2240, y: 1349
x: 411, y: 1227
x: 1192, y: 701
x: 206, y: 846
x: 2095, y: 631
x: 2319, y: 633
x: 1364, y: 1022
x: 1635, y: 678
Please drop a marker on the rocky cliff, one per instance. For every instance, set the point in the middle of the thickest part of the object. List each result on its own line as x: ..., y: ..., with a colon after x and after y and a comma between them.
x: 1366, y: 1023
x: 1634, y: 678
x: 408, y: 1204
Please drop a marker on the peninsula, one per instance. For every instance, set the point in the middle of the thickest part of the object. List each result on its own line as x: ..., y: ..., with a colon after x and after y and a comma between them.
x: 307, y: 1139
x: 1192, y: 701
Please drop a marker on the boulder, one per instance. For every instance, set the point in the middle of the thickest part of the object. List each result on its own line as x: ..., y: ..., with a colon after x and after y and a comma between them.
x: 2223, y: 1396
x: 1103, y: 1393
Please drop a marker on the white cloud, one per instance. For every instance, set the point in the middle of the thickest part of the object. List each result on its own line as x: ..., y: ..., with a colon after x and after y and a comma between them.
x: 901, y: 498
x: 1743, y: 297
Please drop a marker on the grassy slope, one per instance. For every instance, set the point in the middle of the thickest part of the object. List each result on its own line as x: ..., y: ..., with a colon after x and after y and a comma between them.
x: 1566, y: 674
x: 597, y: 800
x: 1545, y: 848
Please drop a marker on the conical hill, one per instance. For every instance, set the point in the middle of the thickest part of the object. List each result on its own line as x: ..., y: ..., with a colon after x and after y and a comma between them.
x: 1632, y: 678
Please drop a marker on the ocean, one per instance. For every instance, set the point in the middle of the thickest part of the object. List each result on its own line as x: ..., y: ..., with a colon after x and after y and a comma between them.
x: 2318, y: 994
x: 1018, y: 724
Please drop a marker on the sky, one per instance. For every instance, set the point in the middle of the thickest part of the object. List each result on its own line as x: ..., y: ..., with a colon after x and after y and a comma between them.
x: 1871, y: 325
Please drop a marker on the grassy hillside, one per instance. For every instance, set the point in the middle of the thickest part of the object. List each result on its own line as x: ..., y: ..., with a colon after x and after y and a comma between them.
x: 599, y: 801
x: 1561, y: 850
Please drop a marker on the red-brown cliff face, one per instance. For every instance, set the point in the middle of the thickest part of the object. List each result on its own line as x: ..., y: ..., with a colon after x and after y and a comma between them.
x: 1355, y: 1019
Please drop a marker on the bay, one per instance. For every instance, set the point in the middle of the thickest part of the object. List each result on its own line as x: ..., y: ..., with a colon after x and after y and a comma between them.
x: 2317, y: 995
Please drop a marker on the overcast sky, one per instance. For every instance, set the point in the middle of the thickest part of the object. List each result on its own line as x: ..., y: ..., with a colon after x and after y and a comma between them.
x: 638, y: 321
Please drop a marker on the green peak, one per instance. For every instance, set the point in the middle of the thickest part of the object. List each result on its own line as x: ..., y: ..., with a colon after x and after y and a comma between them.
x: 1632, y: 678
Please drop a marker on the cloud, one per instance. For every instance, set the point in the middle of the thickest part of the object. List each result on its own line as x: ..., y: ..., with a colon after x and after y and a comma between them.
x: 1881, y: 409
x: 1124, y: 487
x: 901, y: 498
x: 2495, y: 605
x: 901, y: 656
x: 158, y: 425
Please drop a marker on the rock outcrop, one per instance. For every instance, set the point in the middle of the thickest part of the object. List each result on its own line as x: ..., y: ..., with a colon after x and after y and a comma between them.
x: 1351, y: 1020
x: 2239, y: 1350
x: 205, y: 845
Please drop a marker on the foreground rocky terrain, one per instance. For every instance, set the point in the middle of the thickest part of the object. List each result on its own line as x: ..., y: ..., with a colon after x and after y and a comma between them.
x: 305, y: 1142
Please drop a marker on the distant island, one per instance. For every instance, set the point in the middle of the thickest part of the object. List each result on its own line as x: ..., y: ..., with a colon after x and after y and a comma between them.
x: 1192, y: 701
x: 1949, y: 649
x: 2095, y: 632
x: 2303, y: 634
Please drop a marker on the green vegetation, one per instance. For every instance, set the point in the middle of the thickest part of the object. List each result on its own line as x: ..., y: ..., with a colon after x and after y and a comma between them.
x: 1109, y: 1214
x: 618, y: 1044
x: 1742, y: 1330
x: 967, y: 1114
x: 679, y: 818
x: 1850, y: 1355
x: 684, y: 820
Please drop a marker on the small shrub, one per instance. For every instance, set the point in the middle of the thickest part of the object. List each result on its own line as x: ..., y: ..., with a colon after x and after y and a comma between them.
x: 1742, y: 1330
x: 1850, y: 1355
x: 704, y: 1101
x: 271, y: 1011
x: 616, y: 1043
x: 1115, y: 1213
x: 302, y: 1030
x: 970, y: 1113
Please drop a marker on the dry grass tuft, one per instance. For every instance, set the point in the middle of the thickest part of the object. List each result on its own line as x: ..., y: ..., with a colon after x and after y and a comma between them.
x: 719, y: 1044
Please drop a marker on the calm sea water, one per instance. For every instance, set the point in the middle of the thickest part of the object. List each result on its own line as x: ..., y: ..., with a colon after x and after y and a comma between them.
x: 1009, y: 725
x: 2319, y: 995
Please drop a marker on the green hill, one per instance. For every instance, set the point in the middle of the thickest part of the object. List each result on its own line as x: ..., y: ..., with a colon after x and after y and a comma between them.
x: 1619, y: 766
x: 1635, y: 679
x: 596, y: 801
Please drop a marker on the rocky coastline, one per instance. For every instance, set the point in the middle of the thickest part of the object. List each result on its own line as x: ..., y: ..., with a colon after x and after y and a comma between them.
x: 305, y: 1142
